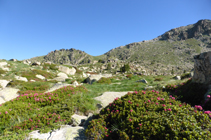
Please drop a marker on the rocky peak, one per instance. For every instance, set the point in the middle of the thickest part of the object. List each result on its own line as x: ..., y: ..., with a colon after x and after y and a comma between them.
x: 197, y: 30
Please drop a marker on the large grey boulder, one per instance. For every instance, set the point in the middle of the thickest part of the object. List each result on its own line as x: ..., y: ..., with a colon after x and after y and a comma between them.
x: 2, y: 64
x: 21, y: 78
x: 108, y: 97
x: 202, y: 68
x: 61, y: 74
x: 8, y: 94
x: 27, y: 62
x: 78, y: 120
x: 14, y: 60
x: 69, y: 71
x: 40, y: 77
x: 4, y: 83
x: 66, y: 132
x: 36, y: 64
x: 177, y: 78
x: 95, y: 77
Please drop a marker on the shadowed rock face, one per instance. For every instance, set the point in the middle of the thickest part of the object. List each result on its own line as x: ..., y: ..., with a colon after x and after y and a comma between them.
x: 202, y: 68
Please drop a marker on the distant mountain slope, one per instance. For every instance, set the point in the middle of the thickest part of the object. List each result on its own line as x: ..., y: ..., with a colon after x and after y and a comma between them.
x: 65, y: 56
x: 174, y: 48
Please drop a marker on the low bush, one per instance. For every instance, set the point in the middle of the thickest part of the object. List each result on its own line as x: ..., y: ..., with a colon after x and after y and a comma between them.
x: 158, y: 79
x: 104, y: 80
x: 42, y: 111
x: 50, y: 66
x: 149, y: 115
x: 129, y: 76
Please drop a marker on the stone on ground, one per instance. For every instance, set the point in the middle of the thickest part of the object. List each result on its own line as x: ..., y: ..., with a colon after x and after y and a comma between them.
x: 8, y: 94
x: 40, y: 77
x: 21, y: 78
x: 109, y: 97
x: 4, y: 83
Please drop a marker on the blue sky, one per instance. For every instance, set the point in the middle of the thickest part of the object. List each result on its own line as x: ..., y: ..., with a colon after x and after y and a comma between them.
x: 30, y: 28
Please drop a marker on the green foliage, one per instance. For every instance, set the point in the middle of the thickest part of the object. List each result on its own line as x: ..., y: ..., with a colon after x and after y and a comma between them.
x: 2, y: 71
x: 185, y: 75
x: 129, y: 76
x: 104, y: 80
x: 78, y: 71
x: 43, y: 111
x: 100, y: 61
x: 31, y: 75
x: 149, y: 115
x: 158, y: 79
x: 50, y: 66
x: 125, y: 68
x: 109, y: 66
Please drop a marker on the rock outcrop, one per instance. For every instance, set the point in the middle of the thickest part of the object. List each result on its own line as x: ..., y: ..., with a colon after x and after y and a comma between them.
x: 202, y: 68
x: 69, y: 71
x: 95, y: 77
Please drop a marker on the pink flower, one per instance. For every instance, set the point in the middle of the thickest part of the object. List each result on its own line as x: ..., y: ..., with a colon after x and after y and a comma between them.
x: 165, y: 109
x: 169, y: 109
x: 158, y: 98
x: 131, y: 110
x: 10, y: 109
x: 156, y: 103
x: 180, y: 105
x: 170, y: 103
x: 139, y: 124
x: 170, y: 96
x: 207, y: 112
x: 162, y: 99
x: 135, y: 92
x: 6, y: 112
x: 149, y: 101
x: 173, y: 98
x: 130, y: 120
x: 208, y: 96
x: 198, y: 107
x: 163, y: 105
x: 143, y: 92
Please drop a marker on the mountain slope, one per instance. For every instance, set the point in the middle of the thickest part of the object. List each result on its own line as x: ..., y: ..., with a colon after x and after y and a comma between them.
x: 65, y: 56
x: 175, y: 47
x: 172, y: 50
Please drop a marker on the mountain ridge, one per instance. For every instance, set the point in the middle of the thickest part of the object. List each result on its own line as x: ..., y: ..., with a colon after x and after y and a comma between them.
x: 174, y: 48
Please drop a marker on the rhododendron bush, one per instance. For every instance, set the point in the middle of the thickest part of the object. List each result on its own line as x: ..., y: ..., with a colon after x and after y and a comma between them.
x: 150, y: 115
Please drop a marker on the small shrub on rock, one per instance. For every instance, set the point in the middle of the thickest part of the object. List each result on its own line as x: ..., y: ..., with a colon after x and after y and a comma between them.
x: 104, y: 80
x: 149, y: 115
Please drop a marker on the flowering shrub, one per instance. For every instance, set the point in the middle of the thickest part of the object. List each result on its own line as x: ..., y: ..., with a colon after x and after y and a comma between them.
x: 191, y: 93
x: 41, y: 111
x: 149, y: 115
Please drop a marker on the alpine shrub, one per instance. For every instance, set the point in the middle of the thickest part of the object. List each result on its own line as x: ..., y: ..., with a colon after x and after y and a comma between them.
x: 149, y: 115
